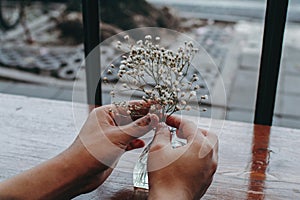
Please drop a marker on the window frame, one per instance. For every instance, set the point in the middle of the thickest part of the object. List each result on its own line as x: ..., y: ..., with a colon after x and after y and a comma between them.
x: 274, y: 27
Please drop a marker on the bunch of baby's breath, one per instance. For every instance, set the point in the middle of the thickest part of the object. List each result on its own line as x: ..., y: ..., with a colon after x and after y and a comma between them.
x: 158, y: 73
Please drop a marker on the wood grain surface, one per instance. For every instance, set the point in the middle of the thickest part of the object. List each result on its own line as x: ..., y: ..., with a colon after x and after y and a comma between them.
x: 255, y: 162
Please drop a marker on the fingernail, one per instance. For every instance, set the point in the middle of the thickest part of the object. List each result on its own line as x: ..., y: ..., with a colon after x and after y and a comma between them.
x: 148, y: 118
x: 154, y: 119
x: 144, y: 121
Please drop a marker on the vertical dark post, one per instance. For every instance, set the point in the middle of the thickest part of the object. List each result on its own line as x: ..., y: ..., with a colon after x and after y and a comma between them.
x: 270, y: 60
x: 90, y: 12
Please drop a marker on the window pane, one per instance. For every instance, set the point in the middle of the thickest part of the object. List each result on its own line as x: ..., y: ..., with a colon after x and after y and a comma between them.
x: 41, y: 47
x: 232, y: 35
x: 287, y: 112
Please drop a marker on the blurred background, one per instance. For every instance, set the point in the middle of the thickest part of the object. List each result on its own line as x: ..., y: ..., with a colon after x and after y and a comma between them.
x: 41, y: 46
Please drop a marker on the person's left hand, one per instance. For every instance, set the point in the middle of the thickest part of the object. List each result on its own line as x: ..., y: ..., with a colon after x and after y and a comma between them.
x: 108, y: 132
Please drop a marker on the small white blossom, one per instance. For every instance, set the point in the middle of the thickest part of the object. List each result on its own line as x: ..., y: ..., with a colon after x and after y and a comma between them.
x: 192, y: 93
x: 195, y: 79
x: 122, y: 67
x: 140, y: 42
x: 148, y: 37
x: 149, y: 92
x: 204, y: 97
x: 178, y: 107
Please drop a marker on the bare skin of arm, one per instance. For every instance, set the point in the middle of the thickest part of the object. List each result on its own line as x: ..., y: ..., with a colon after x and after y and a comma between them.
x: 86, y: 164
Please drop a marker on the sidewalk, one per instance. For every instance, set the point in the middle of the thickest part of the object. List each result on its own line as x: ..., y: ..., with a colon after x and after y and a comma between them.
x: 241, y: 103
x: 235, y: 50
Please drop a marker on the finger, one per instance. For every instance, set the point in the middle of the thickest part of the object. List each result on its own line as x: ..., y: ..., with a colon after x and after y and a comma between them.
x: 135, y: 144
x: 162, y: 134
x: 126, y: 113
x: 214, y: 143
x: 138, y: 128
x: 209, y: 145
x: 186, y: 129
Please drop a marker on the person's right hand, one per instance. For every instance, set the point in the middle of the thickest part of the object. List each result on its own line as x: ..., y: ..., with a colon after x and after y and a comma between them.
x: 184, y: 172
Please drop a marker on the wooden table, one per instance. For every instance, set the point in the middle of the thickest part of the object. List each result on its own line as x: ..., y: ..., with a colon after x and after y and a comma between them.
x: 255, y: 162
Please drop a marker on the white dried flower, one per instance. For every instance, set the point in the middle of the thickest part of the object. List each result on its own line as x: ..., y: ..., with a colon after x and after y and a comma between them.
x: 149, y: 92
x: 165, y: 69
x: 178, y: 107
x: 192, y: 93
x: 195, y: 79
x: 140, y: 42
x: 122, y: 67
x: 148, y: 37
x: 152, y: 108
x: 204, y: 97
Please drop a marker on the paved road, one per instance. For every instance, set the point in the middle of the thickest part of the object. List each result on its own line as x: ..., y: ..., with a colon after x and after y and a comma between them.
x: 227, y: 10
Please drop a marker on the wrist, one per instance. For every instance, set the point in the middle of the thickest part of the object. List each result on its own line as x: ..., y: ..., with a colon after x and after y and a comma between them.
x: 79, y: 158
x: 157, y: 193
x: 77, y: 167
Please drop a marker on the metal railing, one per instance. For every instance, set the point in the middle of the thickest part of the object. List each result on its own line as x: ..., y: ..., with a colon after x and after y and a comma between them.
x: 270, y: 61
x: 90, y: 13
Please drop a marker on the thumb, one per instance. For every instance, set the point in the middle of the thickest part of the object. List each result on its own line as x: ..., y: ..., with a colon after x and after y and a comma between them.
x: 135, y: 144
x: 162, y: 137
x: 139, y: 127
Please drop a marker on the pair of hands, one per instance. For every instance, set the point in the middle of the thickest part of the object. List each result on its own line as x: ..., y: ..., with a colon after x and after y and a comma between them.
x: 182, y: 173
x: 110, y: 131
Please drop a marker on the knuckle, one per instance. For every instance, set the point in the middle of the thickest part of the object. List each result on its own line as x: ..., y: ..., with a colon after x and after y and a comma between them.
x: 202, y: 131
x: 98, y: 109
x: 157, y: 146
